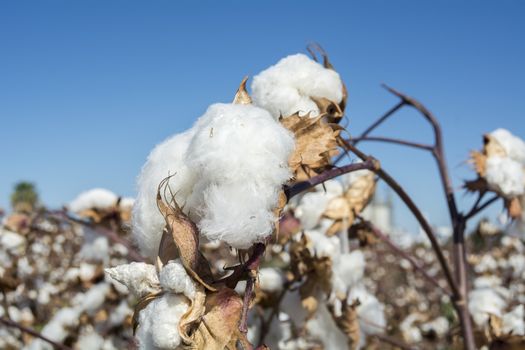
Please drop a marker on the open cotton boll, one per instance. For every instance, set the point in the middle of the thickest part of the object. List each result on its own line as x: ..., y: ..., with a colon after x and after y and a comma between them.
x: 173, y: 277
x: 270, y: 279
x: 505, y: 175
x: 241, y: 157
x: 484, y: 302
x: 324, y: 246
x: 312, y: 205
x: 166, y: 159
x: 139, y: 277
x: 235, y: 142
x: 238, y: 214
x: 347, y: 270
x: 159, y: 323
x: 513, y: 322
x: 97, y: 198
x: 371, y: 312
x: 286, y: 87
x: 513, y: 145
x: 323, y: 328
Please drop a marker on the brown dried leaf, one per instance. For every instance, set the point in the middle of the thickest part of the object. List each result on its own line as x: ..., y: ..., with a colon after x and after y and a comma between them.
x: 242, y: 97
x: 194, y: 313
x: 514, y: 207
x: 219, y: 327
x: 181, y: 239
x: 344, y: 209
x: 348, y: 323
x: 331, y: 110
x: 315, y: 144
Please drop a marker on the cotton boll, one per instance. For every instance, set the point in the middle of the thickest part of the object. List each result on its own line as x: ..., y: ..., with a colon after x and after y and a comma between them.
x: 324, y: 246
x: 505, y: 175
x: 97, y: 198
x: 270, y: 279
x: 439, y: 326
x: 93, y: 298
x: 483, y: 302
x: 240, y: 155
x: 513, y: 145
x: 513, y: 322
x: 140, y: 278
x: 312, y: 205
x: 487, y: 263
x: 348, y: 270
x: 173, y: 277
x: 168, y: 158
x: 159, y: 322
x: 323, y: 327
x: 90, y: 340
x: 286, y: 88
x: 371, y: 312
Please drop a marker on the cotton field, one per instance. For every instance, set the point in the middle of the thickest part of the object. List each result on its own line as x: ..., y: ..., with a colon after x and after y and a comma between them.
x: 249, y: 230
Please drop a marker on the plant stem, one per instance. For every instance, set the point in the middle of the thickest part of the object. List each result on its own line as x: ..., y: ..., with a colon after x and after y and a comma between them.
x: 13, y: 324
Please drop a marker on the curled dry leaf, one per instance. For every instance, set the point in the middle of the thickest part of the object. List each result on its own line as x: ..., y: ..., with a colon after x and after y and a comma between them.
x: 315, y: 144
x: 181, y: 238
x: 242, y: 97
x: 219, y: 327
x: 194, y: 313
x: 495, y: 334
x: 344, y: 209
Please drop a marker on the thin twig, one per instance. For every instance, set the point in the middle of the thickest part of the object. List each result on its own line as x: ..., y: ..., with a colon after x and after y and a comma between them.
x: 34, y: 333
x: 416, y: 212
x: 477, y: 209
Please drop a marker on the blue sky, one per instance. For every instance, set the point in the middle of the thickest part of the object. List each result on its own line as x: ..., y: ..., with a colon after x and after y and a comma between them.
x: 87, y: 88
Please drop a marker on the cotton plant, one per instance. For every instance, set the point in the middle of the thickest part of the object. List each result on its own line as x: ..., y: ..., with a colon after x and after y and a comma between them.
x: 501, y: 169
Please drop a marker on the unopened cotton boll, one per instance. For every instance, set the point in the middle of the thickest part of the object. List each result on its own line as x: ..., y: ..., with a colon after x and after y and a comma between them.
x: 513, y: 145
x: 97, y: 198
x: 505, y: 175
x: 287, y: 87
x: 166, y: 159
x: 159, y: 322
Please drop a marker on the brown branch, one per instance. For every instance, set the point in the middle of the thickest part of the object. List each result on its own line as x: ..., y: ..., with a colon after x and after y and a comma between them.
x: 478, y: 208
x: 416, y: 212
x: 34, y: 333
x: 368, y: 163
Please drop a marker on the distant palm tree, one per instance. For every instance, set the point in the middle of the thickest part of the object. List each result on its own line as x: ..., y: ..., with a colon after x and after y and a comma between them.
x: 25, y: 197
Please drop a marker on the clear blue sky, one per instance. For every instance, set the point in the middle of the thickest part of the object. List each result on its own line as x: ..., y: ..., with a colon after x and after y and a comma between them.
x: 87, y: 88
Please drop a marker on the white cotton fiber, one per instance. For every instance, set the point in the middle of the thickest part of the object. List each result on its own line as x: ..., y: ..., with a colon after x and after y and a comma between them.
x: 165, y: 159
x: 159, y: 323
x: 229, y: 168
x: 348, y: 270
x: 505, y: 175
x: 270, y: 279
x: 513, y: 145
x: 513, y: 322
x: 241, y: 157
x: 139, y: 277
x: 174, y: 278
x: 97, y: 198
x: 287, y: 87
x: 484, y: 302
x: 370, y: 311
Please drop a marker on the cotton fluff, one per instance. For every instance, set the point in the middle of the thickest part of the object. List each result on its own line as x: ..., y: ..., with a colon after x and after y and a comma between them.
x: 483, y: 302
x: 97, y: 198
x: 227, y: 172
x: 140, y: 278
x: 287, y: 87
x: 513, y: 322
x: 168, y: 158
x: 174, y: 278
x: 270, y: 279
x: 323, y: 327
x: 241, y: 157
x: 513, y: 145
x: 370, y: 311
x: 348, y: 270
x: 505, y: 175
x: 159, y: 322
